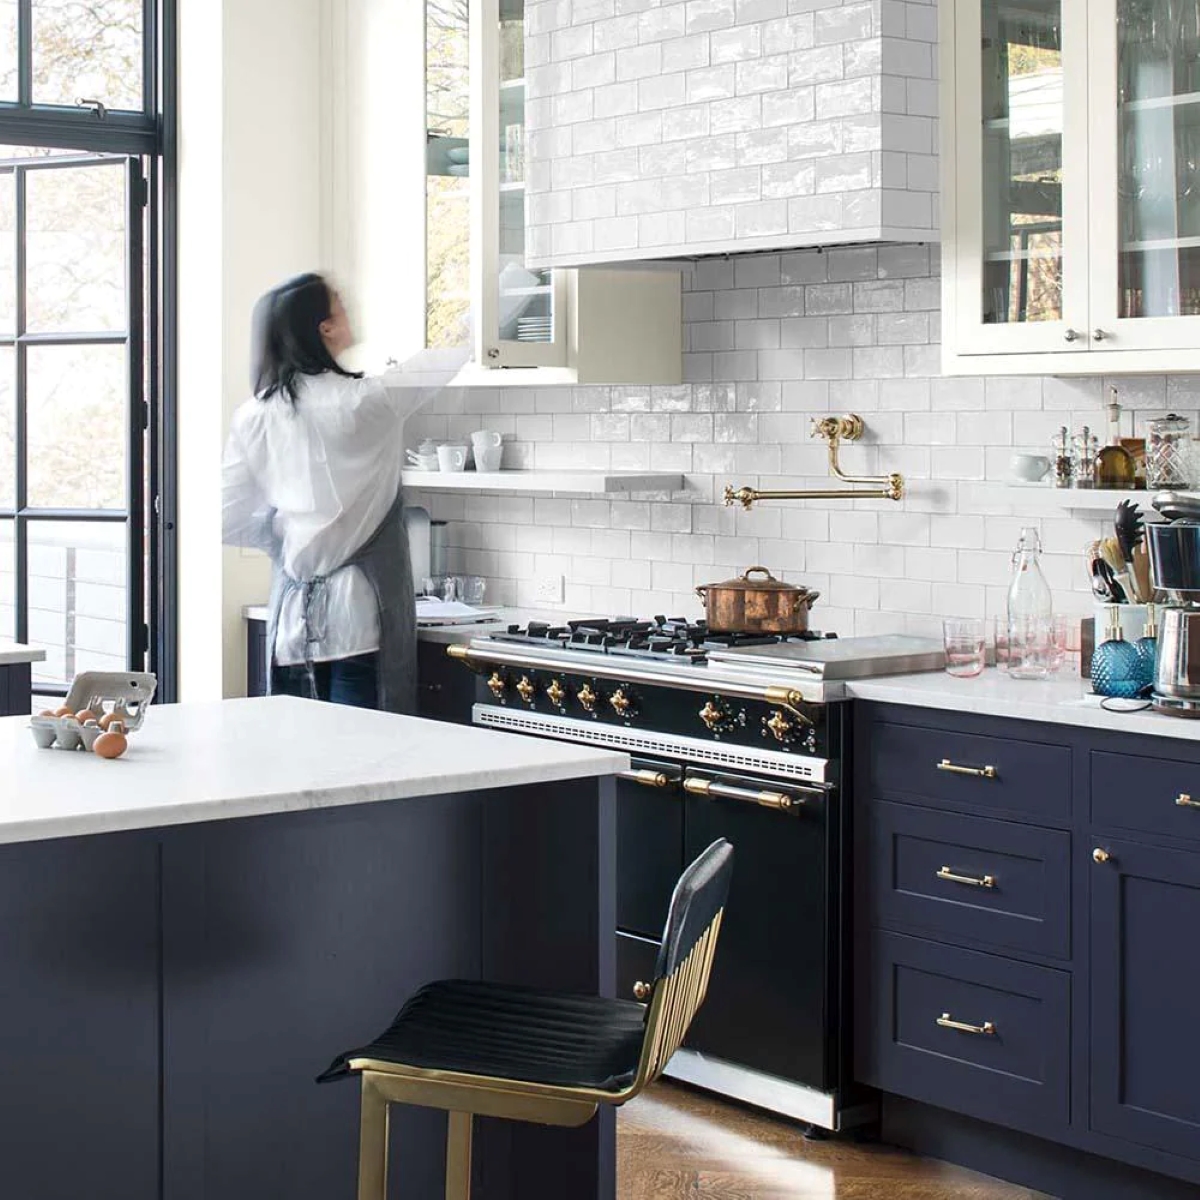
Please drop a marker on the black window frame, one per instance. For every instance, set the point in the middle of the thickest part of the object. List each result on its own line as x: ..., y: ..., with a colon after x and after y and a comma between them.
x: 151, y: 137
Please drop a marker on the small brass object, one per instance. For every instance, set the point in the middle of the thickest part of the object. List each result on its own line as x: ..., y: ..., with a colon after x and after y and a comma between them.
x: 620, y: 702
x: 987, y: 1029
x: 977, y: 772
x: 556, y: 693
x: 983, y: 881
x: 587, y: 698
x: 526, y: 689
x: 654, y: 779
x: 1185, y: 801
x: 787, y: 698
x: 712, y: 716
x: 497, y: 685
x: 724, y: 791
x: 641, y: 991
x: 459, y: 651
x: 779, y: 725
x: 1101, y: 855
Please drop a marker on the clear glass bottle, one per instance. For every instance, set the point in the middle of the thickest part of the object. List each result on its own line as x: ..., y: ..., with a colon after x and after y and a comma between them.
x: 1147, y: 647
x: 1115, y: 467
x: 1117, y: 667
x: 1030, y: 612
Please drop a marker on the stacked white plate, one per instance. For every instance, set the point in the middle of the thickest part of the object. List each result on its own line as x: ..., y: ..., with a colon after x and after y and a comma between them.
x: 535, y: 329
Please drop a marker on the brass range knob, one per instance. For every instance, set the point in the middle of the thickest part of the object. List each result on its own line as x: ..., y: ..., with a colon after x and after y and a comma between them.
x: 556, y: 693
x: 621, y: 703
x: 526, y: 689
x: 641, y: 991
x: 587, y: 698
x: 779, y: 726
x: 497, y: 685
x: 713, y: 716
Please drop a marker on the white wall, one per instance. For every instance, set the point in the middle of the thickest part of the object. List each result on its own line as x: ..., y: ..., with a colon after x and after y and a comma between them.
x: 250, y: 215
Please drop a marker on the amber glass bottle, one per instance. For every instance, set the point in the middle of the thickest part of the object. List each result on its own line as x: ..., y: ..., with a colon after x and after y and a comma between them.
x: 1115, y: 467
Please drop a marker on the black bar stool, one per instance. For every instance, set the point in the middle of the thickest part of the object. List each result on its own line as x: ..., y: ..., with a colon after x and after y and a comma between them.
x: 551, y: 1058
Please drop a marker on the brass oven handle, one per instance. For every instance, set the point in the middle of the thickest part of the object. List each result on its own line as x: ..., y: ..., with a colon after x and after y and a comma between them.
x: 982, y: 881
x: 725, y: 791
x: 988, y: 772
x: 987, y: 1029
x: 651, y: 779
x: 1185, y: 801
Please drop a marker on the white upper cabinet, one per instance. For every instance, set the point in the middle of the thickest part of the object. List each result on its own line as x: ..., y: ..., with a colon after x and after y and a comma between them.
x: 689, y: 127
x: 1071, y: 186
x: 426, y: 212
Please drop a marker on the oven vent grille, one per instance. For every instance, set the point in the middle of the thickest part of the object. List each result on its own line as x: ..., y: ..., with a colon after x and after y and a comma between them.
x: 809, y: 770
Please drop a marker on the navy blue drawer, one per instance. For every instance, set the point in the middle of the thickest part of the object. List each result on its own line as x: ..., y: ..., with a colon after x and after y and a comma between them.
x: 1156, y: 795
x: 985, y: 774
x: 1000, y: 884
x: 1016, y: 1074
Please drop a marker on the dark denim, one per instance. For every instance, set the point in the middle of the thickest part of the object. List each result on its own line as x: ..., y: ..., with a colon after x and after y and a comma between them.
x: 351, y: 681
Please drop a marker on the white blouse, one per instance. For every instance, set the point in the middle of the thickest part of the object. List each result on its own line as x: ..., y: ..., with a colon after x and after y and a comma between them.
x: 329, y: 466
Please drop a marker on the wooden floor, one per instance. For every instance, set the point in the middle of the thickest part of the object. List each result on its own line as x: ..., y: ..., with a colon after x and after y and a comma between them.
x: 677, y: 1144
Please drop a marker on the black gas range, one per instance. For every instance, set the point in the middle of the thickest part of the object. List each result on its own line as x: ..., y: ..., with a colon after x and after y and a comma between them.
x: 735, y: 736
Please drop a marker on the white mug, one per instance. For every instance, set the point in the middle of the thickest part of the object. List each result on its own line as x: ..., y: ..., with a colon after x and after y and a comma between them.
x: 489, y: 450
x: 452, y: 458
x: 1028, y: 468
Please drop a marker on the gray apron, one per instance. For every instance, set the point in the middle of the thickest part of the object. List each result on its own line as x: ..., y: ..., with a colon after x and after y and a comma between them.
x: 384, y: 560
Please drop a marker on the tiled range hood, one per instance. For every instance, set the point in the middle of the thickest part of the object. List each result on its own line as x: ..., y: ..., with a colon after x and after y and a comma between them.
x: 692, y: 127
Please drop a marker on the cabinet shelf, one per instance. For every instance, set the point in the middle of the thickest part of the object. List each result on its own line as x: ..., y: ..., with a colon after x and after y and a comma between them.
x: 1085, y: 500
x: 1151, y: 244
x: 577, y: 483
x: 1153, y: 102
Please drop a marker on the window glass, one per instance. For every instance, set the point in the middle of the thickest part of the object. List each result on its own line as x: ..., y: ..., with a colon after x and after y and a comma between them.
x: 8, y: 437
x: 89, y: 50
x: 8, y: 50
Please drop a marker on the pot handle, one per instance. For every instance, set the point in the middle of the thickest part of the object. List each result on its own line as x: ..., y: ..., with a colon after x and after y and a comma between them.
x: 806, y: 599
x: 702, y: 592
x: 751, y: 570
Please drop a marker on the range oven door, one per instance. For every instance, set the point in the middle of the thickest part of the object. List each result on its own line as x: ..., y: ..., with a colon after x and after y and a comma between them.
x: 649, y: 846
x: 769, y: 999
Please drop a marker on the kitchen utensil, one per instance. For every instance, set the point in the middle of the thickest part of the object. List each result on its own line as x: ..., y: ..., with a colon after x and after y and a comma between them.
x: 1028, y: 468
x: 964, y: 642
x: 1140, y: 571
x: 1175, y: 559
x: 1175, y: 506
x: 489, y: 449
x: 757, y: 605
x: 1130, y: 527
x: 452, y: 458
x: 1105, y: 585
x: 1110, y: 551
x: 1168, y: 452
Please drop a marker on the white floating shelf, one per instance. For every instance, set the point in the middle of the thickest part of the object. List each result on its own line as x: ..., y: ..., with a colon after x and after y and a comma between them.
x: 577, y: 483
x: 1095, y: 500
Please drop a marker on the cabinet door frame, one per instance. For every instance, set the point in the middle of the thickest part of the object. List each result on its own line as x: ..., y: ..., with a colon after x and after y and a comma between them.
x: 1108, y: 1113
x: 1137, y: 333
x: 962, y: 219
x: 490, y: 349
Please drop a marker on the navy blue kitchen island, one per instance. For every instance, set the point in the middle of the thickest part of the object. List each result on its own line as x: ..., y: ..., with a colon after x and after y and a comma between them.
x: 188, y: 935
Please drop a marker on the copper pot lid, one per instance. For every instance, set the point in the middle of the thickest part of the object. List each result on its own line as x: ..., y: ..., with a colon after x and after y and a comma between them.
x: 743, y: 583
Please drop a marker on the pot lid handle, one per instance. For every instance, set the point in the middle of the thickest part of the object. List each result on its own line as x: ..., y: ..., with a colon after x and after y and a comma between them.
x: 763, y: 570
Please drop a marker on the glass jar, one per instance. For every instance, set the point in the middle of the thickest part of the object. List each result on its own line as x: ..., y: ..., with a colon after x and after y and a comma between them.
x: 1168, y: 452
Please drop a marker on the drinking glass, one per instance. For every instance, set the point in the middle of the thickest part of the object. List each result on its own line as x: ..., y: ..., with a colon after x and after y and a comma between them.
x: 964, y: 642
x: 1032, y: 653
x: 1000, y: 641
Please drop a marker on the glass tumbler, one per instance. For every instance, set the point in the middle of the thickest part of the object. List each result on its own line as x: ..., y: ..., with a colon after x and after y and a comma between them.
x: 964, y: 643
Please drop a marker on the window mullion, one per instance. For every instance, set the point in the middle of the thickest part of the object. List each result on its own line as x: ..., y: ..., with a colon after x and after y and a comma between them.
x: 25, y: 52
x: 20, y: 396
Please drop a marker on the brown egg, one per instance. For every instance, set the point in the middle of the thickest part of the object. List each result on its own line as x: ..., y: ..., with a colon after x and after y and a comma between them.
x: 46, y: 712
x: 113, y: 743
x: 84, y: 715
x: 64, y: 712
x: 109, y: 718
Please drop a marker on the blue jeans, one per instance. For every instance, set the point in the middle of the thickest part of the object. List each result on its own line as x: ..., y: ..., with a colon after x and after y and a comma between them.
x: 352, y: 681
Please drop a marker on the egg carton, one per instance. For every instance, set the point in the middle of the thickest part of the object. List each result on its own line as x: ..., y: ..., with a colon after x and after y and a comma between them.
x: 101, y: 692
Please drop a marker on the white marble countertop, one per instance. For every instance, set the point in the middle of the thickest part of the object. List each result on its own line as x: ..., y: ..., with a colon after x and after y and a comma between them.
x: 244, y: 758
x: 14, y: 654
x: 1062, y: 700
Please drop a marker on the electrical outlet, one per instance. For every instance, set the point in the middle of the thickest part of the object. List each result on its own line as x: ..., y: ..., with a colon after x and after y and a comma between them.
x: 549, y: 589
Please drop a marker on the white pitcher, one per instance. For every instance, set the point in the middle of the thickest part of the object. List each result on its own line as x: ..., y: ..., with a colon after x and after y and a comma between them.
x: 489, y: 449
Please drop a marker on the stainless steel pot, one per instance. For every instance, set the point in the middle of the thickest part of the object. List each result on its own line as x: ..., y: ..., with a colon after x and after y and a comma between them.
x: 1175, y: 560
x: 1177, y: 674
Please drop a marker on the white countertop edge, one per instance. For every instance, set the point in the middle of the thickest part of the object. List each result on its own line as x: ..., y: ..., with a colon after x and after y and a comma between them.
x: 13, y: 654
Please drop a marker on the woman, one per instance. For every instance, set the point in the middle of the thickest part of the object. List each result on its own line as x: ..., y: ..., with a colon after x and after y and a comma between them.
x: 312, y: 476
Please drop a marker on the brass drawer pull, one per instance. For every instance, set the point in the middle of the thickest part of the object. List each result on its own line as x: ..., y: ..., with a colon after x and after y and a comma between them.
x: 977, y: 772
x: 983, y: 881
x: 651, y: 779
x: 724, y: 791
x: 987, y: 1029
x: 1185, y: 801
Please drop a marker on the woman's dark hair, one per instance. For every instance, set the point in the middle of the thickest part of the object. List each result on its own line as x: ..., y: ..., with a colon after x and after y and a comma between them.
x: 286, y: 337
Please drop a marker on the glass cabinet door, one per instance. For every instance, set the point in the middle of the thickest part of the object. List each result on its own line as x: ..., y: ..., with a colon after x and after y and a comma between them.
x: 519, y: 311
x: 1021, y: 278
x: 1146, y: 232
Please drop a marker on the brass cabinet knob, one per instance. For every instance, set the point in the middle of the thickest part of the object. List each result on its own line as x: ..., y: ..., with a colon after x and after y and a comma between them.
x: 641, y: 991
x: 620, y: 702
x: 587, y: 697
x: 1101, y: 855
x: 497, y: 685
x: 713, y: 715
x: 527, y: 689
x: 556, y: 693
x: 779, y: 726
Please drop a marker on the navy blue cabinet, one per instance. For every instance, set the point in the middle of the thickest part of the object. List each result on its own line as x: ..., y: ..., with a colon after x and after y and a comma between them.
x: 15, y: 699
x: 1145, y: 991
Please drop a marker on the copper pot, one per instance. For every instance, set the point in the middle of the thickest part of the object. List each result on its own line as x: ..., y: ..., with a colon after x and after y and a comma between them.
x: 766, y: 605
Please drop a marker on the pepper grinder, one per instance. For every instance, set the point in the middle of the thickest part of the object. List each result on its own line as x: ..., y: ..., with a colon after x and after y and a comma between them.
x: 1064, y: 468
x: 1087, y: 446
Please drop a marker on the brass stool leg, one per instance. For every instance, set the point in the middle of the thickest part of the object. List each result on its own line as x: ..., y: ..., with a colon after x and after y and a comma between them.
x: 458, y: 1156
x: 372, y: 1143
